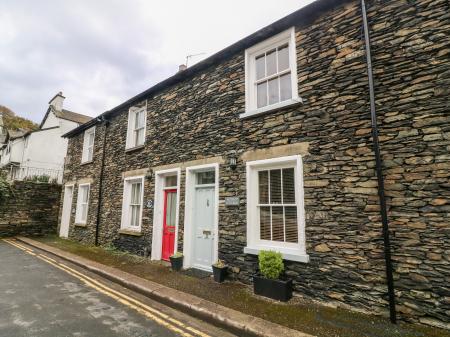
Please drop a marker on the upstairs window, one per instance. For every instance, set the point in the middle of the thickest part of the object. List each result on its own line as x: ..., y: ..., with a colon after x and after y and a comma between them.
x: 88, y: 145
x: 132, y: 203
x: 82, y: 204
x: 271, y: 74
x: 136, y: 127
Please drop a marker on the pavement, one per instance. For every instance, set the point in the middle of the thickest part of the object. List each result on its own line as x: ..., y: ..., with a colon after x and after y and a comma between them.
x: 43, y: 295
x: 230, y: 320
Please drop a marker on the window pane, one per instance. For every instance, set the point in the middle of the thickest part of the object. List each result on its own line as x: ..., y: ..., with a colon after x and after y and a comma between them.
x: 261, y: 94
x: 136, y: 193
x: 90, y: 153
x: 264, y: 223
x: 139, y: 137
x: 283, y: 58
x: 85, y: 193
x: 138, y: 216
x: 84, y: 209
x: 133, y: 216
x: 91, y: 138
x: 208, y: 177
x: 263, y: 177
x: 285, y: 87
x: 288, y: 186
x: 277, y: 224
x: 271, y: 60
x: 171, y: 208
x: 275, y: 186
x: 274, y: 91
x: 139, y: 120
x: 260, y: 67
x: 290, y: 213
x: 171, y: 181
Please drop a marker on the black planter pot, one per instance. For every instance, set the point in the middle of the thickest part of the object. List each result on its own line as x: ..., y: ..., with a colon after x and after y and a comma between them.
x: 280, y: 290
x: 176, y: 262
x: 220, y: 273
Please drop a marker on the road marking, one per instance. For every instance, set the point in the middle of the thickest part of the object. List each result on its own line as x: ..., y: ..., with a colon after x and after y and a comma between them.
x: 118, y: 296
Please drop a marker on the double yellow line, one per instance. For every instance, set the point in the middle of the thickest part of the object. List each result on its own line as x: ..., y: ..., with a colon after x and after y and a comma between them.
x: 155, y: 315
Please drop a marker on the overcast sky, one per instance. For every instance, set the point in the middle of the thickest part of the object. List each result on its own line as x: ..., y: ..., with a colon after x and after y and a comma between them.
x: 101, y: 52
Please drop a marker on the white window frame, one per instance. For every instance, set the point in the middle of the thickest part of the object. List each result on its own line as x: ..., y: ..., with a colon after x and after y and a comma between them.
x: 288, y: 36
x: 290, y: 251
x: 125, y: 222
x: 78, y: 213
x: 132, y: 112
x: 88, y: 147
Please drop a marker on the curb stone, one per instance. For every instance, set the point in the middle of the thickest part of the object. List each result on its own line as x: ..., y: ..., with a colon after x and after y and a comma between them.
x: 232, y: 320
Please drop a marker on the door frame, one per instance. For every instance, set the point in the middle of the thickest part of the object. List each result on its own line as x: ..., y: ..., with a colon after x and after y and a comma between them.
x: 189, y: 213
x: 158, y: 216
x: 71, y: 186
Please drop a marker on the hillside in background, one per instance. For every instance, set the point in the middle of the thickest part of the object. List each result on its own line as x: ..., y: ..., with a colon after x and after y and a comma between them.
x: 13, y: 122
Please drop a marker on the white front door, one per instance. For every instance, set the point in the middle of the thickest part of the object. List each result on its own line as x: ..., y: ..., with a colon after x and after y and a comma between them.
x: 66, y: 211
x: 203, y: 227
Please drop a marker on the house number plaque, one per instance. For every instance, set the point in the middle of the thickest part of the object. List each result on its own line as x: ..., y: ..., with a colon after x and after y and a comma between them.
x: 232, y: 201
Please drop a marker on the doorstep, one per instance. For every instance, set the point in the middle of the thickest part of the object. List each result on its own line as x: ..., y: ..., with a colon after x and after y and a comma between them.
x: 232, y: 320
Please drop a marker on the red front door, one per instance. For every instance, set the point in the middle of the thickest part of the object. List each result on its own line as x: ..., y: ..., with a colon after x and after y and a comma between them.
x: 170, y: 208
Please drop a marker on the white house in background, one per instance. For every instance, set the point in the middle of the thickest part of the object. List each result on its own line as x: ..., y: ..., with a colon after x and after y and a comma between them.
x: 41, y: 152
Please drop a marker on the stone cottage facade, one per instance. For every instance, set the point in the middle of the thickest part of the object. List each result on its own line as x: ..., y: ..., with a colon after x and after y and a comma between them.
x: 267, y: 145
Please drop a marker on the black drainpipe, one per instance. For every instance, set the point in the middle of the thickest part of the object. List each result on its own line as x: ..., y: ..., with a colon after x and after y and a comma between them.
x: 376, y: 149
x: 100, y: 183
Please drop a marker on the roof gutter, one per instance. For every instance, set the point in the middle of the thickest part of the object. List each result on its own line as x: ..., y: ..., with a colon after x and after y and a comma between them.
x: 379, y: 168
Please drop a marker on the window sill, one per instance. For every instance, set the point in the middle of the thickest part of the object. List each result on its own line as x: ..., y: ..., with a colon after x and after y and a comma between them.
x: 86, y: 162
x: 82, y: 225
x: 135, y: 148
x: 131, y: 232
x: 272, y: 108
x: 288, y: 254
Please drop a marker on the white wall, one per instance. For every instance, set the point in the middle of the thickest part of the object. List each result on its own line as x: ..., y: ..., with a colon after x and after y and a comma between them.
x: 51, y: 121
x: 45, y: 149
x: 15, y: 154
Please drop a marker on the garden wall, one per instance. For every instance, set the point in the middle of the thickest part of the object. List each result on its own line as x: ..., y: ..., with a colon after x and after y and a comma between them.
x: 31, y: 209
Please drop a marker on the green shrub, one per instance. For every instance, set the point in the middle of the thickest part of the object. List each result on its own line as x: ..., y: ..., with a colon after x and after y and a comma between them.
x: 270, y: 264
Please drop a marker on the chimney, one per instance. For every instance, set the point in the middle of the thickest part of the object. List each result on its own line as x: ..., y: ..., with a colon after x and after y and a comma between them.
x: 182, y: 67
x: 57, y: 101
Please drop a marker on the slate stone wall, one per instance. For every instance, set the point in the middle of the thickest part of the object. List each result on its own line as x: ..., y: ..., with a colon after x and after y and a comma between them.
x: 32, y: 209
x: 199, y: 119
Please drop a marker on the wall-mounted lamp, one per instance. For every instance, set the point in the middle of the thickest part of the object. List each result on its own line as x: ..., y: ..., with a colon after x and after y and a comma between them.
x: 149, y: 175
x: 232, y: 161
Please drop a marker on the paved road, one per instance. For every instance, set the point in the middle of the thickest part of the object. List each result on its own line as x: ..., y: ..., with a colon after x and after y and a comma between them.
x: 41, y: 295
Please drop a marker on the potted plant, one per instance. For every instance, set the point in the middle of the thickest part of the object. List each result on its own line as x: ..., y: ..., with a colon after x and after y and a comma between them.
x: 269, y: 282
x: 220, y: 271
x: 176, y: 260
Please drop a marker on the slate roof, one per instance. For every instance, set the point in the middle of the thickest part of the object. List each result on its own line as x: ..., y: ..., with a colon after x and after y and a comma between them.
x: 72, y: 116
x: 302, y: 17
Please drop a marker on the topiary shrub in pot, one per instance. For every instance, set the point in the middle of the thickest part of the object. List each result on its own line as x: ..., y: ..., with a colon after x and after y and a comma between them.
x: 176, y: 260
x: 269, y: 282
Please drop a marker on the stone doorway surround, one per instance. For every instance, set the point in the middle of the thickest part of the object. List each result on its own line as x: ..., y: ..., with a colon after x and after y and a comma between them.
x: 188, y: 247
x: 158, y: 213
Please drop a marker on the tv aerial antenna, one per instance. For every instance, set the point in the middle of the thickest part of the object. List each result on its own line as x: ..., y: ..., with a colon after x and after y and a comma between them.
x: 191, y: 56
